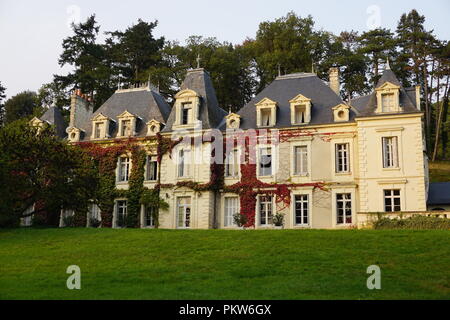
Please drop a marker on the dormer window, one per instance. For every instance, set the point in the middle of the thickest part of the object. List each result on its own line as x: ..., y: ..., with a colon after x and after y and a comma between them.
x: 387, y: 102
x: 98, y: 130
x: 153, y: 127
x: 300, y: 109
x: 233, y: 121
x: 74, y: 134
x: 341, y: 113
x: 187, y: 107
x: 266, y: 113
x: 388, y: 98
x: 126, y: 128
x: 186, y: 113
x: 100, y: 127
x: 127, y: 124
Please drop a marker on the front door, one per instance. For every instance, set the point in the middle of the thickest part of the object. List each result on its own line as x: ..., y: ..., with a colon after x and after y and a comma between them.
x: 184, y: 212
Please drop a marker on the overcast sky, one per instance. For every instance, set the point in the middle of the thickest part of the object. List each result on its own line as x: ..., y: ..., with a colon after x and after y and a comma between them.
x: 31, y: 32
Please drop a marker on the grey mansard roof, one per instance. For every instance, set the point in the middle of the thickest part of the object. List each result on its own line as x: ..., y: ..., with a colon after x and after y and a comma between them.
x: 144, y: 103
x: 287, y: 87
x: 53, y: 116
x: 210, y: 113
x: 366, y: 105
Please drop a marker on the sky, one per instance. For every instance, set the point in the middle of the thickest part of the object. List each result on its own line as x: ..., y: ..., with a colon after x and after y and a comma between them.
x: 31, y: 32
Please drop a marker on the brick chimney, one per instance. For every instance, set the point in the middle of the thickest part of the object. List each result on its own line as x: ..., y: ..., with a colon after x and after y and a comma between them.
x: 334, y: 80
x: 81, y: 109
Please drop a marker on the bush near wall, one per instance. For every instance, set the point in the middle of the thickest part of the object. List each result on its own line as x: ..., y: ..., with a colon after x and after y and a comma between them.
x: 416, y: 222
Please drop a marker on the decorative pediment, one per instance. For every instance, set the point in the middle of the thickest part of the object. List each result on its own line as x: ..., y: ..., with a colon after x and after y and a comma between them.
x: 100, y: 117
x: 233, y: 121
x: 387, y: 86
x: 300, y: 109
x: 186, y: 93
x: 266, y: 102
x: 35, y: 122
x: 126, y: 114
x: 153, y: 127
x: 341, y: 112
x: 300, y: 99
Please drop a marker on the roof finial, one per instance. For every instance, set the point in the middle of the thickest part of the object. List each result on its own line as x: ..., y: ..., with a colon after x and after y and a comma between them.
x: 229, y: 110
x: 279, y: 69
x: 118, y: 84
x: 312, y: 66
x: 388, y: 67
x: 198, y: 61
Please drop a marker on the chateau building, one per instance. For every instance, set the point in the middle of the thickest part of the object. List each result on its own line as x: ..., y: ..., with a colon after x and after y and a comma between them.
x: 296, y: 150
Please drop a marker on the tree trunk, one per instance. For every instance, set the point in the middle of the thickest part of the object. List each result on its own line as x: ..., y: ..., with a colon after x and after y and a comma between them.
x: 439, y: 122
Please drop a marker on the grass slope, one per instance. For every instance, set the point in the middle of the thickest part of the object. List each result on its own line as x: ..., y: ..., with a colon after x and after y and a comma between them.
x: 221, y: 264
x: 439, y: 171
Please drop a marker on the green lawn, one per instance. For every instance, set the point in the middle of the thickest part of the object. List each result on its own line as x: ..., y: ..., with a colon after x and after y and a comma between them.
x: 221, y: 264
x: 439, y: 171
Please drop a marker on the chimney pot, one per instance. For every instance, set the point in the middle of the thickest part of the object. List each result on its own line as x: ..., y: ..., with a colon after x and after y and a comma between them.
x: 334, y: 80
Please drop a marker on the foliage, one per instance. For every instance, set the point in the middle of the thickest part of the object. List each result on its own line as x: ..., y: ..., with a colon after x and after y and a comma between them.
x: 416, y: 222
x: 20, y: 106
x: 240, y: 219
x: 2, y: 105
x: 278, y: 219
x: 94, y: 223
x: 38, y: 167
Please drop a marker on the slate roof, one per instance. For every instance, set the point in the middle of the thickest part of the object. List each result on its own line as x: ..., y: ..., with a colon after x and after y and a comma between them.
x: 366, y: 105
x: 144, y: 103
x: 439, y: 193
x: 210, y: 113
x: 54, y: 117
x: 286, y: 87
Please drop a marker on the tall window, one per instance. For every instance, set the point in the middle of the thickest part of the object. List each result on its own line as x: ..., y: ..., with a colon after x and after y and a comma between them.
x: 266, y: 117
x: 387, y: 102
x: 232, y: 164
x: 344, y: 208
x: 186, y: 113
x: 124, y: 169
x: 152, y: 168
x: 94, y: 212
x: 342, y: 158
x: 265, y: 210
x: 184, y: 212
x: 184, y: 163
x: 390, y: 153
x: 392, y: 200
x: 265, y: 161
x: 121, y: 213
x: 149, y: 216
x: 126, y: 128
x: 300, y: 160
x: 301, y: 209
x: 230, y: 209
x: 300, y: 114
x: 97, y: 130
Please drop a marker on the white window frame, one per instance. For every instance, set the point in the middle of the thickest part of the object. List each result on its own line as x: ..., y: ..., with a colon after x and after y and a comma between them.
x: 120, y: 166
x: 266, y: 207
x: 235, y: 164
x: 184, y: 169
x: 272, y: 158
x: 304, y: 166
x: 229, y: 212
x: 390, y: 152
x: 153, y: 159
x: 392, y: 197
x: 116, y: 212
x: 344, y: 202
x: 345, y: 154
x: 177, y: 211
x: 302, y: 207
x: 144, y: 217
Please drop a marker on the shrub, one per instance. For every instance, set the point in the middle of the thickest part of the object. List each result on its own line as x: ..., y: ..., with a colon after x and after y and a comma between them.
x: 94, y: 223
x: 240, y: 219
x: 415, y: 222
x: 278, y: 219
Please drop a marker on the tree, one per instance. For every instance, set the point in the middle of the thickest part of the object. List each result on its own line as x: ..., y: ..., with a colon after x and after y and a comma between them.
x: 135, y: 50
x: 39, y: 168
x: 378, y: 45
x: 90, y: 62
x: 2, y: 106
x: 19, y: 106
